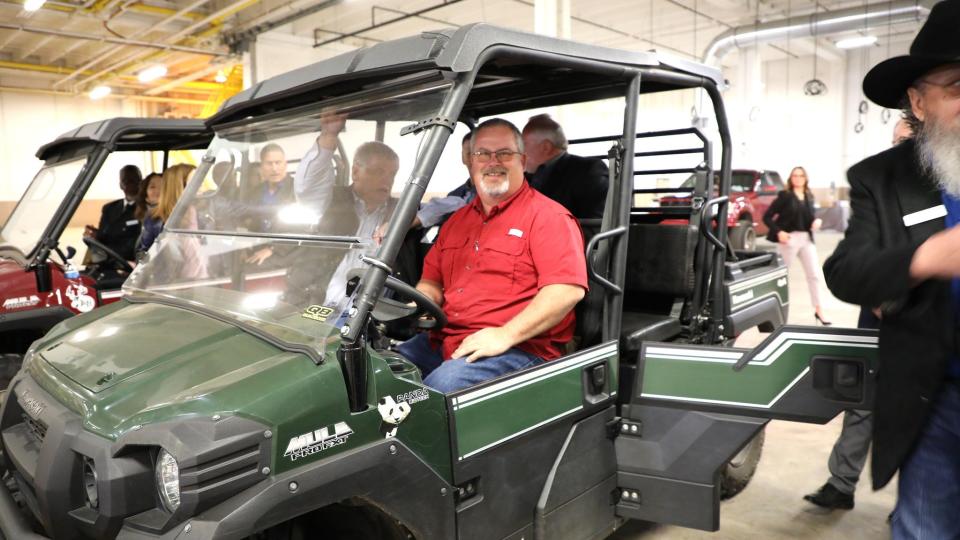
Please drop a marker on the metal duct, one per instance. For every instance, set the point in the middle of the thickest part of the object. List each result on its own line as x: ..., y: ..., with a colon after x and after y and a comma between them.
x: 817, y: 24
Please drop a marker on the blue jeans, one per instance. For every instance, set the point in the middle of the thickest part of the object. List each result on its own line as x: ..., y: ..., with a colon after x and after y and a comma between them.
x: 928, y: 496
x: 456, y: 374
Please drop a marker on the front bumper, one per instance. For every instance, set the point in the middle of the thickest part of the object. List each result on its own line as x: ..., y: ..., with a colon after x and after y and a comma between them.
x: 45, y: 447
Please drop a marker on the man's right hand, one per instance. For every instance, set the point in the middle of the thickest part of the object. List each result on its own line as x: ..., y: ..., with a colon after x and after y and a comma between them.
x: 89, y: 230
x: 331, y: 124
x: 938, y: 256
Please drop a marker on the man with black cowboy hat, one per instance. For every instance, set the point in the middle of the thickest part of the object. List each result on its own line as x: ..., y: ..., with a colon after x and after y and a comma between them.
x: 901, y: 253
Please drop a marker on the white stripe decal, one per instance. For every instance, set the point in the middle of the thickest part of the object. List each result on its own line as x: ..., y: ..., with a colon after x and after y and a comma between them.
x: 697, y: 353
x: 519, y: 433
x: 768, y: 356
x: 757, y: 280
x: 737, y: 403
x: 758, y: 298
x: 563, y: 365
x: 107, y: 295
x: 775, y: 344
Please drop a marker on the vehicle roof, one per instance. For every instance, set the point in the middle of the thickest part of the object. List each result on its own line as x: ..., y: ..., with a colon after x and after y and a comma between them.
x: 454, y: 50
x: 132, y: 134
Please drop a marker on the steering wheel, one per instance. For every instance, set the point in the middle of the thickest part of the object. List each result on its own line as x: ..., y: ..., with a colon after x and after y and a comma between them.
x: 111, y: 255
x: 387, y: 309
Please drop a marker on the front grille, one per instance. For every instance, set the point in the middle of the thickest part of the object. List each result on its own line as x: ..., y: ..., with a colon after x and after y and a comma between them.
x: 36, y: 428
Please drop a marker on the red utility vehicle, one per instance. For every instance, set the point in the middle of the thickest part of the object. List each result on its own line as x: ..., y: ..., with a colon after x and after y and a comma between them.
x: 751, y: 193
x: 39, y: 283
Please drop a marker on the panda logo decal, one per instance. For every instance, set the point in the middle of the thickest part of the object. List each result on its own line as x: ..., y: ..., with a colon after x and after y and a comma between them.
x: 393, y: 414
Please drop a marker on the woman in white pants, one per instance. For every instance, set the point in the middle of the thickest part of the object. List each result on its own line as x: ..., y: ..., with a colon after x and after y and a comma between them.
x: 791, y: 221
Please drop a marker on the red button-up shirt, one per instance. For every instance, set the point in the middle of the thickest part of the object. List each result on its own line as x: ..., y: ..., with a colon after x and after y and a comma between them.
x: 492, y: 265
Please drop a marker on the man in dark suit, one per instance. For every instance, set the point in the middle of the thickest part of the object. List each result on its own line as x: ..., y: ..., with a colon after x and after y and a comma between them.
x: 578, y: 183
x: 119, y: 228
x: 901, y: 253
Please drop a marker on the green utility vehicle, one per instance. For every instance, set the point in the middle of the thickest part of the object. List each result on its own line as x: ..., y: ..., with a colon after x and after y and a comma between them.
x: 244, y: 385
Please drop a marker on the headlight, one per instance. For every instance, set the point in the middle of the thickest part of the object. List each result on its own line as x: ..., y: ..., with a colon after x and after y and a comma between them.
x: 168, y: 480
x: 90, y: 483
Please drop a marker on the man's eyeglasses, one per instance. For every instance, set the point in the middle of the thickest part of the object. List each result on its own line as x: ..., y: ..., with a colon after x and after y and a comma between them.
x: 503, y: 156
x: 951, y: 89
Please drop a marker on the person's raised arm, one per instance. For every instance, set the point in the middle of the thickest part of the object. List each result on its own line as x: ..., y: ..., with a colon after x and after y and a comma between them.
x: 315, y: 176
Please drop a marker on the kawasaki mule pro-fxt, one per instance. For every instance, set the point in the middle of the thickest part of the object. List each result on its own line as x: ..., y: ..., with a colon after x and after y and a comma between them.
x: 243, y: 388
x: 37, y: 241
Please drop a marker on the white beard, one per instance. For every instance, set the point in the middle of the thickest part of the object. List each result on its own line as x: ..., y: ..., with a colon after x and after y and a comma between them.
x: 938, y: 149
x: 495, y: 189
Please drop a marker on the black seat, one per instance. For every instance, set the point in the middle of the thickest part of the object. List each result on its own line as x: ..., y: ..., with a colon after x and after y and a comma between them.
x: 660, y: 275
x: 638, y: 327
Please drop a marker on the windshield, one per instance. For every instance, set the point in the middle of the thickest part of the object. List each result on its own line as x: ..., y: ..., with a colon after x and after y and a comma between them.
x: 39, y: 204
x: 282, y: 209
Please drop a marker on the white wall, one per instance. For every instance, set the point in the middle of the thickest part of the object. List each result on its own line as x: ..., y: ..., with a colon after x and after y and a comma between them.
x: 28, y: 121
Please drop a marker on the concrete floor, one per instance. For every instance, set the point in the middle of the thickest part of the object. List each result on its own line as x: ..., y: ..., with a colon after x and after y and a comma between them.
x: 794, y: 461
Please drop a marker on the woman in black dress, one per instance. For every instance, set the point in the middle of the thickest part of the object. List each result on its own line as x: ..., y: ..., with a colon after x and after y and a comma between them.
x: 791, y: 221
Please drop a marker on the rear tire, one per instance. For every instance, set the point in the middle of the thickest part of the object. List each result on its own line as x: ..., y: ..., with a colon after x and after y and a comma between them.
x: 737, y: 473
x: 743, y: 237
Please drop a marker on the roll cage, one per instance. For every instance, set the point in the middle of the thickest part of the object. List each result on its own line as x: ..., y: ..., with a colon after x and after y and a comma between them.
x: 495, y: 71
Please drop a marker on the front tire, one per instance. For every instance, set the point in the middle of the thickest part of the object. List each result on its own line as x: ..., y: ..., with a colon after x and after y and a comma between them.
x: 9, y: 366
x: 736, y: 474
x: 338, y: 522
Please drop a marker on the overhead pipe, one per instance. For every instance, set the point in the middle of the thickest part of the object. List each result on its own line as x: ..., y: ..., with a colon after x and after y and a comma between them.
x: 197, y: 86
x: 106, y: 39
x: 61, y: 93
x: 817, y: 24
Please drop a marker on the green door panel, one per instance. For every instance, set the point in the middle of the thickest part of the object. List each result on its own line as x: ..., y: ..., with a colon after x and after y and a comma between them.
x: 692, y: 375
x: 507, y: 408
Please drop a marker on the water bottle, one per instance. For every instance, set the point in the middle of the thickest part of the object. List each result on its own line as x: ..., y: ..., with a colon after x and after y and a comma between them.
x: 70, y: 272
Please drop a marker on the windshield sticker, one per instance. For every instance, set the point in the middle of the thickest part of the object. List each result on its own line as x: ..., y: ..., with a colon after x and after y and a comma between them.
x: 317, y: 441
x: 21, y: 302
x: 393, y: 414
x: 317, y: 313
x: 79, y: 299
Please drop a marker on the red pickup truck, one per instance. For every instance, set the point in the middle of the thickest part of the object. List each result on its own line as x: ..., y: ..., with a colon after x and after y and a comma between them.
x: 751, y: 192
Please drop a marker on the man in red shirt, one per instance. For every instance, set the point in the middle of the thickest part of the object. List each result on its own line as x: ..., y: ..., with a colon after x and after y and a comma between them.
x: 507, y: 269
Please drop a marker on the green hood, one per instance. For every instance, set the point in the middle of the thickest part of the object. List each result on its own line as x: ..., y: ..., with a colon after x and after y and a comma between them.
x: 151, y: 340
x: 133, y: 363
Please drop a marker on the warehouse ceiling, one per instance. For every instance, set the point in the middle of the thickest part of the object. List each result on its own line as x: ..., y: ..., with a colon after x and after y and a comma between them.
x: 74, y: 46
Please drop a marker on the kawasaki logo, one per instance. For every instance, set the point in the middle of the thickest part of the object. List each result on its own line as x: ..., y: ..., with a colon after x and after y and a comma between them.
x: 743, y: 297
x: 317, y: 441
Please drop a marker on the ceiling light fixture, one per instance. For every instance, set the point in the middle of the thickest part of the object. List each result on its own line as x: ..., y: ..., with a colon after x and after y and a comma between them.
x: 100, y: 92
x: 856, y: 42
x: 33, y: 5
x: 221, y: 77
x: 152, y: 73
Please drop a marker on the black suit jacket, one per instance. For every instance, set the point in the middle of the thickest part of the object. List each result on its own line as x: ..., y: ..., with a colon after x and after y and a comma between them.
x: 578, y: 183
x: 871, y: 267
x: 786, y: 209
x: 119, y: 229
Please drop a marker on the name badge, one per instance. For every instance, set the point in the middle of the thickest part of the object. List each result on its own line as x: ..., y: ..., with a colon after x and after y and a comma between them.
x: 922, y: 216
x: 132, y: 222
x: 515, y: 232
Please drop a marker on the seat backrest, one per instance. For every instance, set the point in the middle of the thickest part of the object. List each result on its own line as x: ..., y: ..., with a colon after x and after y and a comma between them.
x: 589, y: 310
x: 660, y: 260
